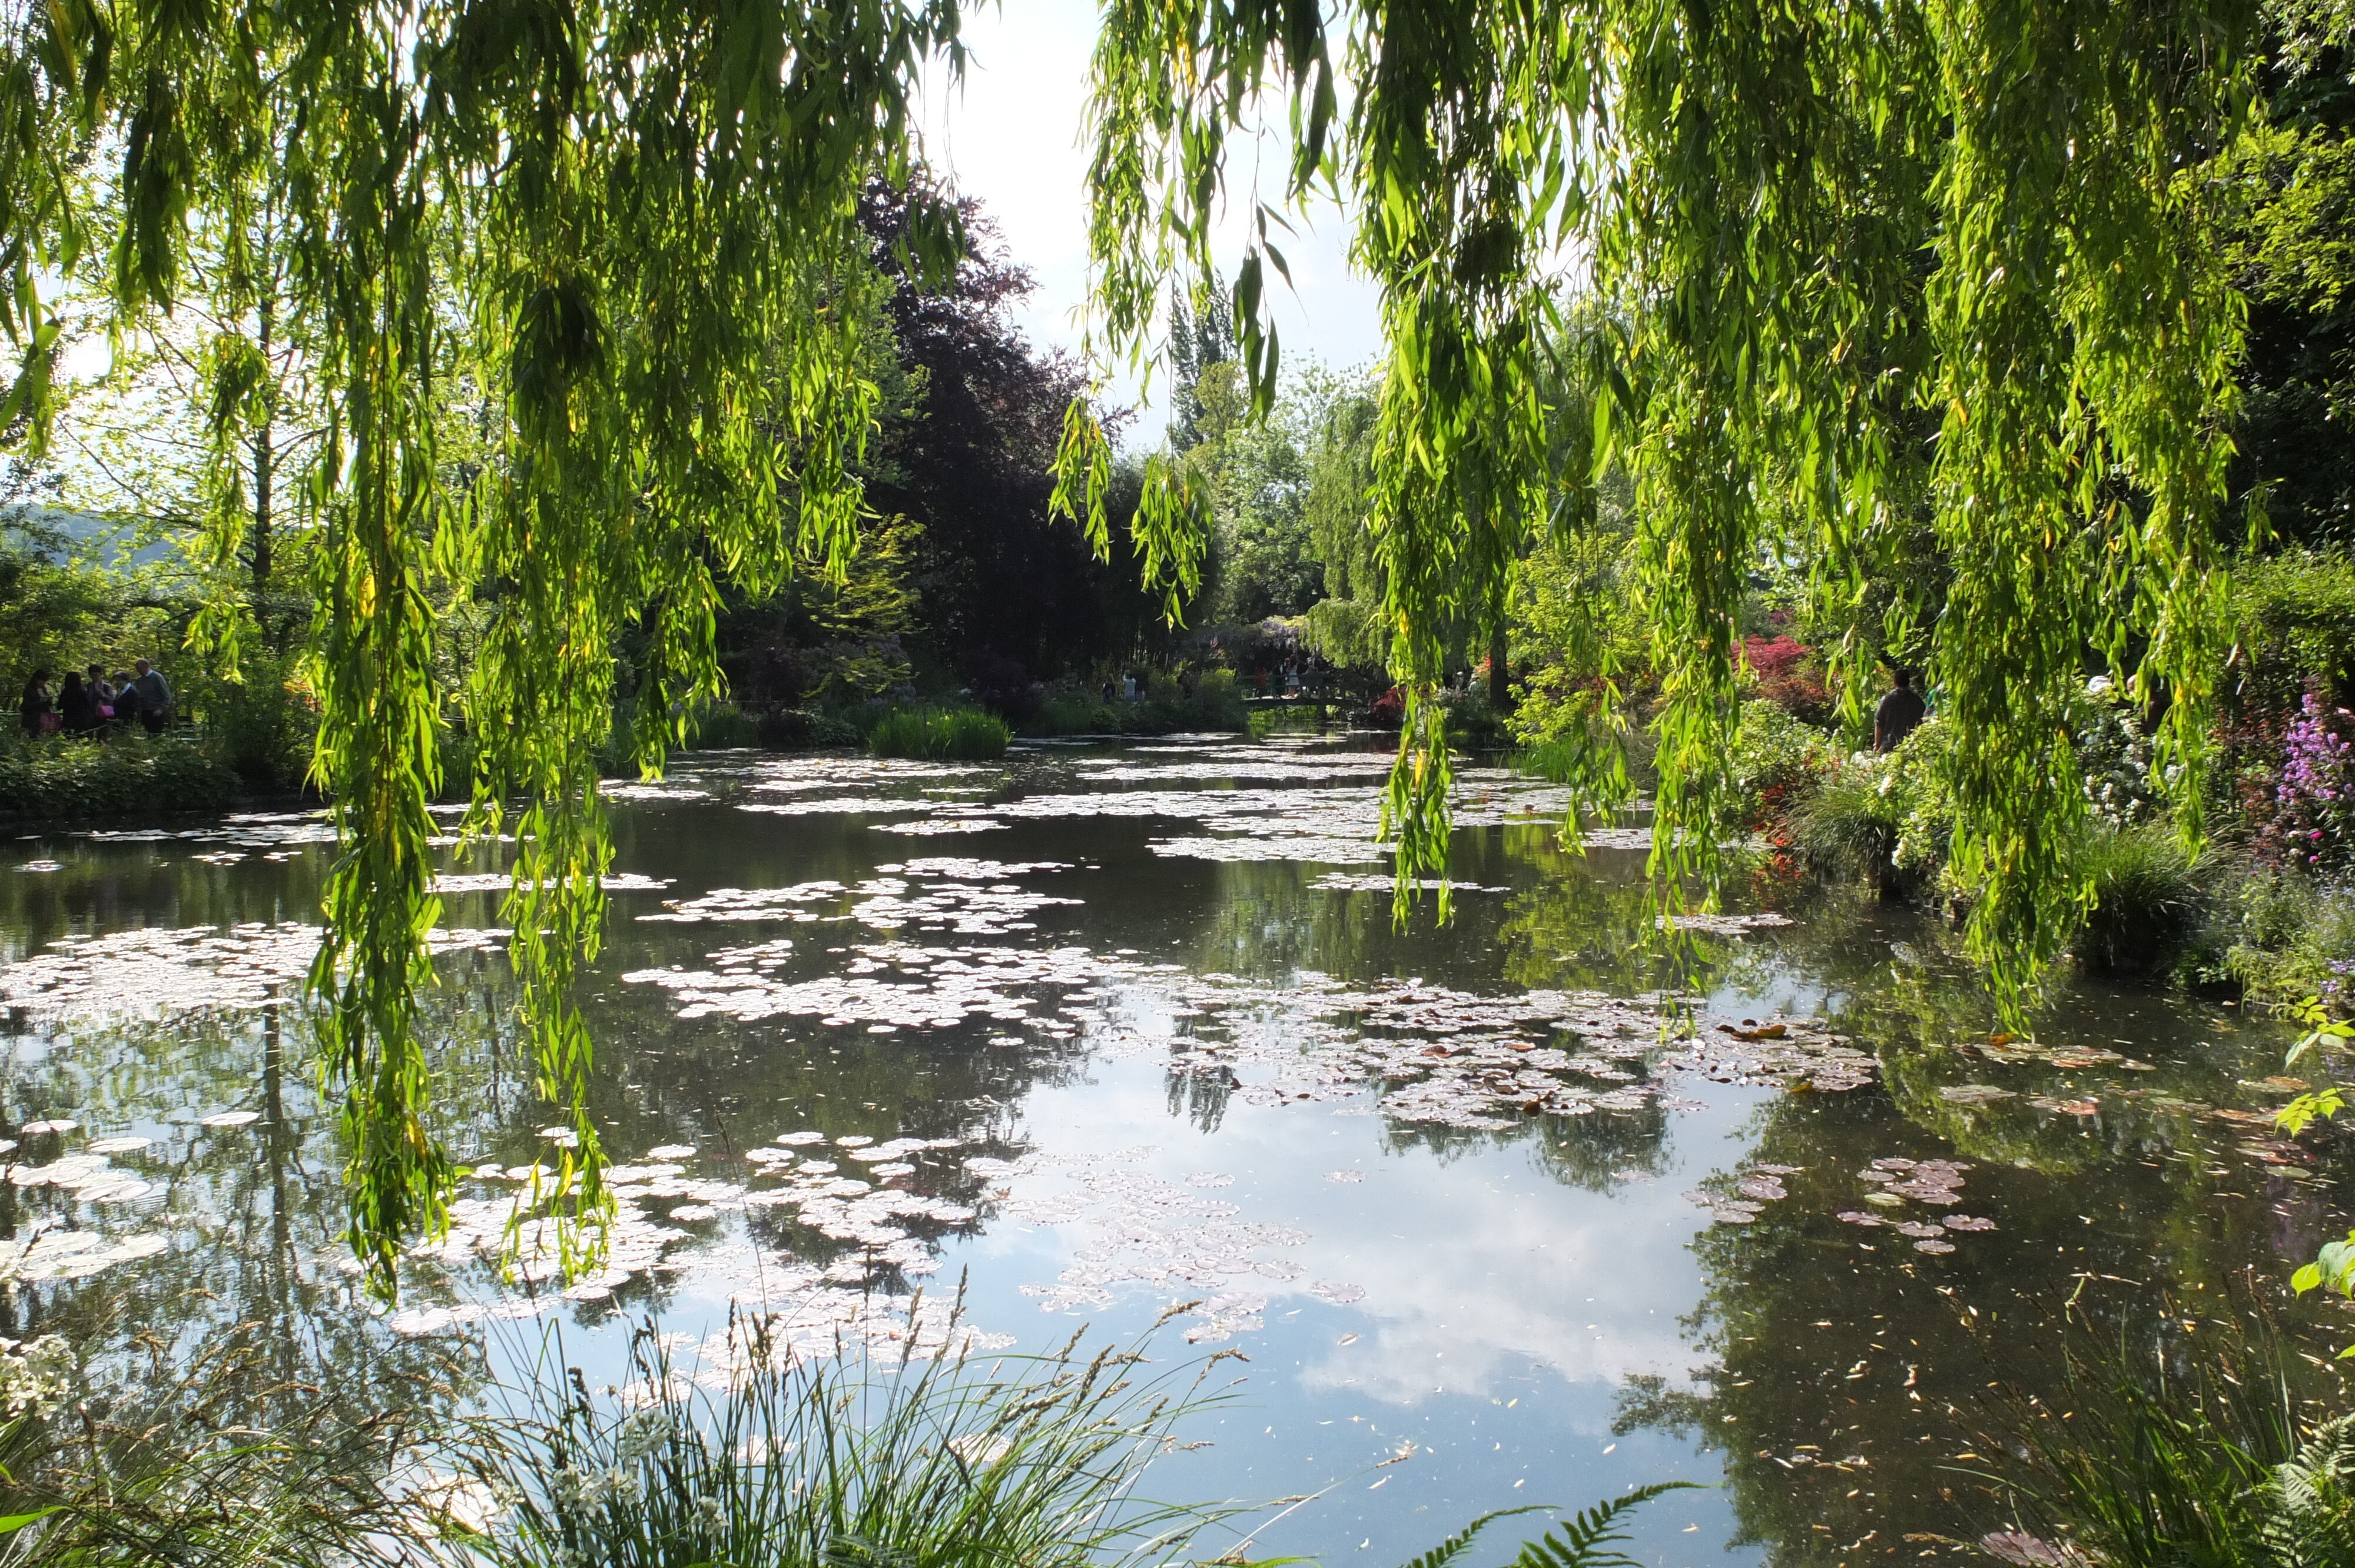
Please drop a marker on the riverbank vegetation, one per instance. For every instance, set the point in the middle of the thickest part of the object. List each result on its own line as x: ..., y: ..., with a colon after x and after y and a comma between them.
x: 774, y: 1453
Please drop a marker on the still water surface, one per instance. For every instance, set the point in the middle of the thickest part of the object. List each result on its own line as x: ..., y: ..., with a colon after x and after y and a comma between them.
x: 1509, y: 1209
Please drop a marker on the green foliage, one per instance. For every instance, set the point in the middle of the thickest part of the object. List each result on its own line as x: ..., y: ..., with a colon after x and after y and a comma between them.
x: 261, y: 726
x: 164, y: 1482
x: 1850, y: 826
x: 634, y: 234
x: 721, y: 726
x: 2152, y: 897
x: 2159, y: 1467
x: 2289, y: 194
x: 60, y: 612
x: 2287, y: 937
x: 1196, y: 702
x: 938, y: 735
x: 1588, y: 1540
x: 126, y: 775
x: 2293, y: 615
x: 807, y: 1461
x: 1775, y: 752
x: 1965, y: 281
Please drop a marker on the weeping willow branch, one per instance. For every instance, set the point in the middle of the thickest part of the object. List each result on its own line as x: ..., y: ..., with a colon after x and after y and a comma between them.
x: 1864, y: 267
x: 628, y: 229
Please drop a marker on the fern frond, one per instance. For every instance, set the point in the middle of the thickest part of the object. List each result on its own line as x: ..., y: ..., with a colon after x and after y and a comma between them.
x: 1586, y: 1541
x: 1455, y: 1545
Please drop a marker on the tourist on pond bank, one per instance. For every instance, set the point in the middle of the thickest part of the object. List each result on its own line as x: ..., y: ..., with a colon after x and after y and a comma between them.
x: 77, y: 706
x: 154, y: 696
x: 35, y: 708
x: 1899, y: 714
x: 94, y: 678
x: 126, y: 700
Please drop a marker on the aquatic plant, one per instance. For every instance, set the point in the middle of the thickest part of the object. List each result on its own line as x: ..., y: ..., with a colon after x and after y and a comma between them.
x: 768, y: 1456
x: 168, y: 1486
x: 1848, y: 826
x: 939, y: 734
x: 2151, y: 896
x: 2217, y: 1466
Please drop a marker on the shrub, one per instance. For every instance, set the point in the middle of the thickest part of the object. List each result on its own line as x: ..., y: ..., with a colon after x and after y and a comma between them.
x: 2152, y: 899
x: 263, y: 727
x: 1850, y: 825
x: 1786, y: 673
x: 1777, y: 758
x: 2290, y: 938
x: 939, y: 734
x: 1169, y: 705
x: 2113, y: 756
x: 1472, y: 724
x: 1067, y: 709
x: 721, y: 726
x: 2311, y: 824
x: 127, y: 774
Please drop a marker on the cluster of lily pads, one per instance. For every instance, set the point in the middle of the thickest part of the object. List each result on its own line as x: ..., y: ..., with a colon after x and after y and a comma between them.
x: 1898, y: 1182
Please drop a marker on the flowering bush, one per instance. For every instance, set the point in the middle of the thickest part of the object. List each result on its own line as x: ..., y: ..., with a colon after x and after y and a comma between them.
x: 2312, y: 804
x: 1786, y: 672
x: 2113, y: 758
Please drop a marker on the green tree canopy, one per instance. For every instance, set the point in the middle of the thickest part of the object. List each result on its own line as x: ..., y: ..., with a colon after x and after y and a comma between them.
x: 1948, y: 260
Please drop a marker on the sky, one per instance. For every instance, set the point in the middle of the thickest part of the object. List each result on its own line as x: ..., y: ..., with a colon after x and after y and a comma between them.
x: 1010, y: 136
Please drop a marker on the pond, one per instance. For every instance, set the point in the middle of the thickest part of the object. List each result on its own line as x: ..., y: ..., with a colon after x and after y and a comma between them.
x: 1520, y: 1208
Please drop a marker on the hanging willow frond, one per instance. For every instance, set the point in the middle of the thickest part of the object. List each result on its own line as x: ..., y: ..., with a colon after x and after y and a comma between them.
x: 628, y: 229
x: 1864, y: 266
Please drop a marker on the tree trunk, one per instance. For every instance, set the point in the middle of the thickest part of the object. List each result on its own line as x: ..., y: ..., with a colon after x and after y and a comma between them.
x: 1500, y: 688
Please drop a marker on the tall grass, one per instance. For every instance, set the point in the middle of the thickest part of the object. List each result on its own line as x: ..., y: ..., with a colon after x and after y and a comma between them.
x: 184, y: 1478
x: 2217, y: 1466
x: 1848, y: 827
x: 801, y: 1462
x: 940, y: 735
x: 759, y: 1457
x: 2151, y: 898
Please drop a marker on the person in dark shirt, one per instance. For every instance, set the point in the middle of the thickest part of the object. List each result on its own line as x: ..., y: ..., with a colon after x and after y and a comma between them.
x: 35, y: 705
x: 1898, y: 715
x: 154, y: 696
x: 78, y: 705
x: 126, y: 700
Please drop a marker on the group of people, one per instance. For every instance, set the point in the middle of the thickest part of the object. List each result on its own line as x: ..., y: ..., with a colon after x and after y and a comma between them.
x: 91, y: 704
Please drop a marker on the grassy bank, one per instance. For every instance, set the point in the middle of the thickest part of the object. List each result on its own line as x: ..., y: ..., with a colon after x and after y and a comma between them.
x: 778, y: 1457
x: 1168, y: 705
x: 134, y: 775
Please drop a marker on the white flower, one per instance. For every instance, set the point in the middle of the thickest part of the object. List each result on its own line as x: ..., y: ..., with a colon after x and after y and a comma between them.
x: 32, y: 1375
x: 569, y: 1488
x: 709, y: 1513
x: 641, y: 1434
